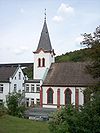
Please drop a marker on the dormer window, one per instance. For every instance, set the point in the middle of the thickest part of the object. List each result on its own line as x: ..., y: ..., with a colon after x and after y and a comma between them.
x: 39, y: 62
x: 19, y: 75
x: 43, y: 62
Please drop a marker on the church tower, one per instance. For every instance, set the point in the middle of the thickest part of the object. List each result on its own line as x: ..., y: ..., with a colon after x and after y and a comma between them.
x: 44, y: 54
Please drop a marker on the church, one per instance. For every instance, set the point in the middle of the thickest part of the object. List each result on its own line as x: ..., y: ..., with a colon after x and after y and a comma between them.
x: 53, y: 85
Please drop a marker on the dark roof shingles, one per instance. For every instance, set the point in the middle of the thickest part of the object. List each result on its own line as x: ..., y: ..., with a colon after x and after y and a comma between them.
x: 6, y: 73
x: 44, y: 42
x: 68, y: 74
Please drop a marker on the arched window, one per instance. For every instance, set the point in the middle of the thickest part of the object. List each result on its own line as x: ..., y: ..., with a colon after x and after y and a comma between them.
x: 50, y: 96
x: 43, y: 62
x: 67, y: 96
x: 39, y: 62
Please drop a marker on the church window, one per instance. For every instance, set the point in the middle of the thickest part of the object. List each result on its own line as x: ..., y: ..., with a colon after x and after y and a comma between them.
x: 50, y: 96
x: 39, y: 62
x: 43, y: 62
x: 67, y: 96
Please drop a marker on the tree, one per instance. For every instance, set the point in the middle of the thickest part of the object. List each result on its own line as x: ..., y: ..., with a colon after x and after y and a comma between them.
x: 64, y: 120
x: 14, y: 104
x: 93, y: 42
x: 84, y: 120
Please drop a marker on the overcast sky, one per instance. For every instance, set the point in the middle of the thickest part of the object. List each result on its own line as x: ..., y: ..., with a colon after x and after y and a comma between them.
x: 21, y: 22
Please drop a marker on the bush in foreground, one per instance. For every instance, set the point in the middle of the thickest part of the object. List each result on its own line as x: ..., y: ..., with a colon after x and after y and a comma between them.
x: 71, y: 120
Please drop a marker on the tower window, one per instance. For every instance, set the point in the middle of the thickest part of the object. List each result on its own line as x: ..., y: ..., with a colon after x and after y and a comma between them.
x: 43, y: 62
x: 39, y: 62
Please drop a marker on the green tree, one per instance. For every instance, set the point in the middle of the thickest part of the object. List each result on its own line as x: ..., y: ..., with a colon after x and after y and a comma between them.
x: 84, y: 120
x: 64, y: 120
x: 93, y: 42
x: 14, y: 104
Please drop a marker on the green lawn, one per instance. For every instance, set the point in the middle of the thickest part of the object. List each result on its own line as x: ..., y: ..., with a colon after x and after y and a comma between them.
x: 10, y: 124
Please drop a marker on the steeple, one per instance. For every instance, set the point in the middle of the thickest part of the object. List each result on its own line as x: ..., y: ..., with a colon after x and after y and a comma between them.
x: 44, y: 54
x: 44, y: 42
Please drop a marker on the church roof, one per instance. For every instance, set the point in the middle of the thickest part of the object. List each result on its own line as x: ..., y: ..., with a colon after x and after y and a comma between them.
x: 44, y: 42
x: 68, y: 74
x: 6, y: 73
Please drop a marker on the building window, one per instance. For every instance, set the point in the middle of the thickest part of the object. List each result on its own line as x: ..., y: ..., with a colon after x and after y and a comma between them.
x: 32, y: 87
x: 39, y: 62
x: 37, y: 88
x: 15, y: 87
x: 27, y: 87
x: 32, y: 102
x: 43, y: 62
x: 50, y: 96
x: 38, y: 101
x: 67, y: 96
x: 19, y: 75
x: 19, y: 91
x: 1, y: 101
x: 27, y: 102
x: 1, y: 88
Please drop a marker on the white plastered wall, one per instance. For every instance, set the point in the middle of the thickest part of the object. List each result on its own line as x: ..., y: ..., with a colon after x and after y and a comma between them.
x: 19, y: 82
x: 5, y: 92
x: 62, y: 96
x: 40, y: 71
x: 32, y: 95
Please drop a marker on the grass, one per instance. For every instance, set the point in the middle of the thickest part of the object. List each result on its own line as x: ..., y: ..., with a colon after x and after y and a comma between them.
x: 10, y: 124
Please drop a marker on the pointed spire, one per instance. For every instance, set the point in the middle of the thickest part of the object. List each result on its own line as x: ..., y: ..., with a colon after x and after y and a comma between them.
x: 45, y: 15
x: 44, y: 42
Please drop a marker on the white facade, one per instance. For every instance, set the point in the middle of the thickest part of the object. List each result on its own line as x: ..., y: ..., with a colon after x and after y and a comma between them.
x: 32, y: 94
x: 4, y: 91
x: 14, y: 84
x: 17, y: 81
x: 62, y: 96
x: 41, y: 71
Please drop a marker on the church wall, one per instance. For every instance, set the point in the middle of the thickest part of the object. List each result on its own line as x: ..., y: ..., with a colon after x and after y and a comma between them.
x: 81, y: 95
x: 62, y: 96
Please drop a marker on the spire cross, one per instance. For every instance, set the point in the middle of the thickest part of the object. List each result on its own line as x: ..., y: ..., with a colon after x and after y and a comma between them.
x: 45, y: 15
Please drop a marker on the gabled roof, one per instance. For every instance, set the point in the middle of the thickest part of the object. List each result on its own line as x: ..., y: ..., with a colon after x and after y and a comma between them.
x: 68, y: 74
x: 6, y: 73
x: 44, y: 42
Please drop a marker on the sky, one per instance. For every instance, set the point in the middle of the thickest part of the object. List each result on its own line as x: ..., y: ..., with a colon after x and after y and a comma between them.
x: 21, y: 23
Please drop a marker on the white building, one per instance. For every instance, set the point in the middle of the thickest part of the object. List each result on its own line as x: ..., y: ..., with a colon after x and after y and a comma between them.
x: 11, y: 80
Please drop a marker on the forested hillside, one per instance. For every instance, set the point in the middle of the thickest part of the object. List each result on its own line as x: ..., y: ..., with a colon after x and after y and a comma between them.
x: 78, y: 55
